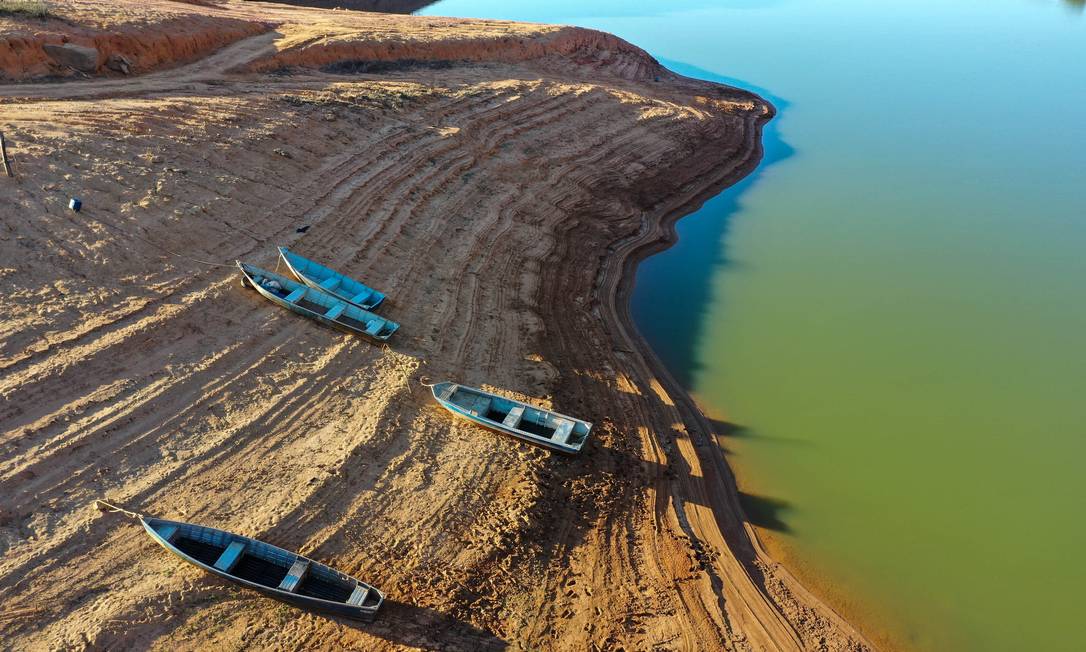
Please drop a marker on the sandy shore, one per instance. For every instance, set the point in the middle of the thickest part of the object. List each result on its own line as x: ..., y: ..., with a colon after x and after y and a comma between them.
x: 499, y: 182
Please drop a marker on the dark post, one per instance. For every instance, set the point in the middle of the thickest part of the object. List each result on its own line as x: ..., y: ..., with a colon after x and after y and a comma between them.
x: 4, y: 155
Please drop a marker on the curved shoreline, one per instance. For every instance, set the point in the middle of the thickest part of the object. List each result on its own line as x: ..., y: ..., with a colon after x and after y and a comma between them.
x: 757, y: 559
x: 813, y: 588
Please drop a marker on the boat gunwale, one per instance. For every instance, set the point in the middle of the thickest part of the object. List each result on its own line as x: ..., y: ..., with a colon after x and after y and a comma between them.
x: 494, y: 425
x: 262, y: 588
x: 305, y: 279
x: 306, y: 312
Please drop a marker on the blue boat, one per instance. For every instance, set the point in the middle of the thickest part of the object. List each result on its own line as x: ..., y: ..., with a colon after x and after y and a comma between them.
x: 262, y: 567
x: 532, y: 424
x: 342, y: 287
x: 316, y: 304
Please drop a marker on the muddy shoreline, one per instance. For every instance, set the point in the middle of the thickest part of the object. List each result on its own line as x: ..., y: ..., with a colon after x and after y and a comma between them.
x: 503, y: 204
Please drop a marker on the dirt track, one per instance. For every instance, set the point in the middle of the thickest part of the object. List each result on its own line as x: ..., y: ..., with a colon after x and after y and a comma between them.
x: 501, y: 205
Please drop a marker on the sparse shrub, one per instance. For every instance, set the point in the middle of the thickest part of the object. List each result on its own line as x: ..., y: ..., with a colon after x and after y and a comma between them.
x: 25, y: 9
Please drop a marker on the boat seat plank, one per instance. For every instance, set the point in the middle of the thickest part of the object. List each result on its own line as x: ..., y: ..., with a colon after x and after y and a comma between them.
x: 335, y: 311
x: 374, y: 327
x: 361, y: 296
x: 331, y: 283
x: 447, y: 393
x: 480, y: 406
x: 295, y: 575
x: 512, y: 420
x: 358, y: 596
x: 295, y: 295
x: 230, y: 557
x: 168, y: 533
x: 564, y: 430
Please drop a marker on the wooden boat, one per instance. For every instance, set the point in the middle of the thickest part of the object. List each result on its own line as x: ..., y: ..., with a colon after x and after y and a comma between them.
x: 342, y: 287
x: 316, y: 304
x: 536, y: 425
x: 260, y: 566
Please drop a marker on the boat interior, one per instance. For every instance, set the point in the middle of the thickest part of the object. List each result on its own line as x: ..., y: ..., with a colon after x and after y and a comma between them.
x: 260, y: 563
x: 518, y: 416
x: 330, y: 307
x: 274, y: 285
x: 334, y: 282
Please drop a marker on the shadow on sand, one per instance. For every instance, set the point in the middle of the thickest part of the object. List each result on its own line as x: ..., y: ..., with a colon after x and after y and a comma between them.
x: 405, y: 624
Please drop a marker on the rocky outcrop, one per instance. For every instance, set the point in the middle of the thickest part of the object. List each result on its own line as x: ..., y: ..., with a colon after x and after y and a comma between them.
x: 79, y: 57
x: 119, y: 63
x: 56, y: 48
x: 569, y: 46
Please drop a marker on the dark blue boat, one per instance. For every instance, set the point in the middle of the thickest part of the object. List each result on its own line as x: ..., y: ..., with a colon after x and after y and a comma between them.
x: 262, y: 567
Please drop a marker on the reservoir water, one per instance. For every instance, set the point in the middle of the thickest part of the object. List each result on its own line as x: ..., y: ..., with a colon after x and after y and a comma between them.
x: 892, y: 310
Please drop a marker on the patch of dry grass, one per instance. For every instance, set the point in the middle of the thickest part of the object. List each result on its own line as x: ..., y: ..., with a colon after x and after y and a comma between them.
x: 25, y: 9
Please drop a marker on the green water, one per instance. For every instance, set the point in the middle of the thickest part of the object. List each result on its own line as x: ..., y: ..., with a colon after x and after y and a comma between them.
x: 893, y: 308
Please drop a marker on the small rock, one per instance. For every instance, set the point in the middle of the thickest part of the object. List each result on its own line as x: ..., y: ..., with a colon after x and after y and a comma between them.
x: 282, y: 152
x: 80, y: 57
x: 119, y: 63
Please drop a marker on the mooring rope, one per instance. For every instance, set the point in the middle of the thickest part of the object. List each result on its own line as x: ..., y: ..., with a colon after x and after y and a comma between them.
x: 422, y: 381
x: 103, y: 506
x: 400, y: 365
x: 155, y: 244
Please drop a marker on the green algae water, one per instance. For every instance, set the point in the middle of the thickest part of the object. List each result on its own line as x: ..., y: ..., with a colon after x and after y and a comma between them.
x: 892, y: 310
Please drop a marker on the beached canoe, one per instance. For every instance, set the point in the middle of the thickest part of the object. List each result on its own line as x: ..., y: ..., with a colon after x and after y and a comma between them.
x: 318, y: 276
x: 260, y: 566
x: 536, y: 425
x: 316, y: 304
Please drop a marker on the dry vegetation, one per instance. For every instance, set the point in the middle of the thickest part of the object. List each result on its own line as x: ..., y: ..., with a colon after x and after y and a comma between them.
x: 25, y: 9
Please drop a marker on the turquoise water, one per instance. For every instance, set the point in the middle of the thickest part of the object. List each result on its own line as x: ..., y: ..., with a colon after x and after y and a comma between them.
x: 892, y: 310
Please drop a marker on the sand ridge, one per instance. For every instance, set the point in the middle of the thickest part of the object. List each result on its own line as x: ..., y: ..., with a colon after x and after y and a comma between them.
x: 501, y: 203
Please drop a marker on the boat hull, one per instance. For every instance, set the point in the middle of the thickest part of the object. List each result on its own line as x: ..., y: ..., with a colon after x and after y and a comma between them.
x: 316, y: 316
x: 489, y: 424
x: 315, y: 283
x: 361, y: 613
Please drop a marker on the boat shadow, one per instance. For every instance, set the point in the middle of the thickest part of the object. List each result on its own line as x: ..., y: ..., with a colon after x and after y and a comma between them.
x: 410, y: 625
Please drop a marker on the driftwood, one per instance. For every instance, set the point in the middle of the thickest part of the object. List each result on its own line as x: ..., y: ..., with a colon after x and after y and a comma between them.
x: 4, y: 155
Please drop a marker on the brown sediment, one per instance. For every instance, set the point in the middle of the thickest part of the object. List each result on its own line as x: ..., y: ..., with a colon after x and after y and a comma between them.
x: 502, y: 203
x: 148, y: 34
